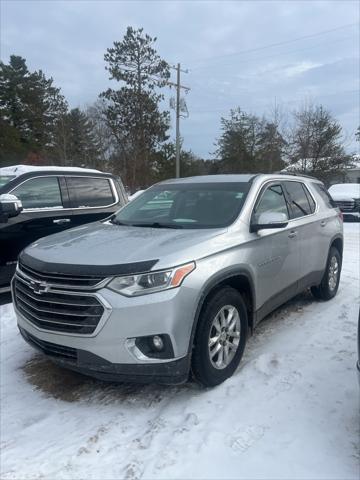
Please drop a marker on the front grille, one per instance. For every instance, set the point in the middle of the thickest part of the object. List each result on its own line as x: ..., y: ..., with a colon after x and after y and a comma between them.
x: 62, y: 280
x: 53, y: 310
x: 52, y: 349
x: 346, y: 205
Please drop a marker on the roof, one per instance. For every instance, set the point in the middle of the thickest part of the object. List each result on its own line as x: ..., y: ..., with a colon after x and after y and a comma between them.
x: 18, y: 170
x: 238, y: 178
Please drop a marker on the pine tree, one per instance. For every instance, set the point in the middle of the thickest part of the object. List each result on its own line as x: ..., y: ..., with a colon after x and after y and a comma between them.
x: 30, y: 108
x: 270, y: 148
x: 238, y: 146
x: 82, y: 148
x: 132, y: 111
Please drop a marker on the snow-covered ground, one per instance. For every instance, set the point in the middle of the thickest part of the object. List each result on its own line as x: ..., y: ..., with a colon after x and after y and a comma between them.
x: 290, y: 412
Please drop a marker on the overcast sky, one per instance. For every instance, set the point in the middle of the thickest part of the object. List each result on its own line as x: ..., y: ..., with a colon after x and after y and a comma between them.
x: 239, y: 53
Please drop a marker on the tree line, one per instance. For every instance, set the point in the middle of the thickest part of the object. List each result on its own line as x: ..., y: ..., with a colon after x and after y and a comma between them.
x: 126, y: 131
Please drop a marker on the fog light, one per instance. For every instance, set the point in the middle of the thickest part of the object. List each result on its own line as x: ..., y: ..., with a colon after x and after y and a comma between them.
x: 158, y: 342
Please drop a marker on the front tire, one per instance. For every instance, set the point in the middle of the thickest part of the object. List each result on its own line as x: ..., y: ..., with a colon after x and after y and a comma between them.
x: 220, y: 338
x: 330, y: 282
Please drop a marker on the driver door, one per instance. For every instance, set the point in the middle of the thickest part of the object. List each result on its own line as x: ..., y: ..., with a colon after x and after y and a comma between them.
x: 276, y: 251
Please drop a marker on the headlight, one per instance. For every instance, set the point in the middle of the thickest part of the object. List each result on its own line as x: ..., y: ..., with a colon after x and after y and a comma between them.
x: 151, y: 282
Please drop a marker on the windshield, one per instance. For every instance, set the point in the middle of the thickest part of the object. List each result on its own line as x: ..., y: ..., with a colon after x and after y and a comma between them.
x: 211, y: 205
x: 4, y: 179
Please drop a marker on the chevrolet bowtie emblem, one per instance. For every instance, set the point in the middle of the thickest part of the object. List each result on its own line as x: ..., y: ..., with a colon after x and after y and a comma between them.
x: 38, y: 287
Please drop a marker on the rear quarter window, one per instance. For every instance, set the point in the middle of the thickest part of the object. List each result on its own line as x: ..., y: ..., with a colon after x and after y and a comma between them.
x: 89, y: 192
x: 324, y: 194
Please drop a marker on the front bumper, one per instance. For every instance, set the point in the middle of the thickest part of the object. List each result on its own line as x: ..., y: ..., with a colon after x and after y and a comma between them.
x: 87, y: 363
x: 108, y: 353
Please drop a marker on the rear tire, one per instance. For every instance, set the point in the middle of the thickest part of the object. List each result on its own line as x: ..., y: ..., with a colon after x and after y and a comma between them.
x: 220, y: 338
x: 330, y: 282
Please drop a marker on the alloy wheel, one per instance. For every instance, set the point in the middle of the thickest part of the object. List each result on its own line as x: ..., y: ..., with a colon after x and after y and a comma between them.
x: 224, y: 336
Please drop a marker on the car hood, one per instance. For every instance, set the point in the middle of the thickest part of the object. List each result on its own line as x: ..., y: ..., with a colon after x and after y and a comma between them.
x: 346, y: 191
x: 338, y: 196
x: 109, y: 245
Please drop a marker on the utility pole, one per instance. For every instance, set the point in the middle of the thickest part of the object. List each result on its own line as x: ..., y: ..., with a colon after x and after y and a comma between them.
x: 178, y: 87
x: 178, y: 122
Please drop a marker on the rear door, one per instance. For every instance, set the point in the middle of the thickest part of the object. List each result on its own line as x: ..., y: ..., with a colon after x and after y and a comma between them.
x: 91, y: 198
x: 308, y: 226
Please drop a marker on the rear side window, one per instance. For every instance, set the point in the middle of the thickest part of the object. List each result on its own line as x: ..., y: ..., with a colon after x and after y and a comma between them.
x: 89, y: 192
x: 41, y: 192
x: 299, y: 202
x: 325, y: 195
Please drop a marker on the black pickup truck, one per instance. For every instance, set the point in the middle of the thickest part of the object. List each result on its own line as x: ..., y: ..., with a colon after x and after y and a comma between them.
x: 39, y: 201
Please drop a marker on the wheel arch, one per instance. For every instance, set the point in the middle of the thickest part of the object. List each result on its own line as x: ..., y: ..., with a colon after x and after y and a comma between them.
x: 338, y: 243
x: 241, y: 281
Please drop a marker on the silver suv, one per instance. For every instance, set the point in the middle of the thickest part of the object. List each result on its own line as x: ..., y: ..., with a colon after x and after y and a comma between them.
x: 176, y: 280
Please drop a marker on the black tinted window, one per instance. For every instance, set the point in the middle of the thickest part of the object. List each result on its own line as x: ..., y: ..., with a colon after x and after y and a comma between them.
x: 42, y: 192
x: 272, y: 200
x: 324, y: 194
x: 299, y: 202
x: 90, y: 192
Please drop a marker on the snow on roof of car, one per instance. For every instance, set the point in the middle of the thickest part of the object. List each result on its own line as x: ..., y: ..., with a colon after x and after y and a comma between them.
x: 21, y: 169
x: 352, y: 189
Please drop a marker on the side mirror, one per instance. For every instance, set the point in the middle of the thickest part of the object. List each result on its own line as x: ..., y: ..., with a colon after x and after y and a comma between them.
x: 10, y: 206
x: 269, y: 220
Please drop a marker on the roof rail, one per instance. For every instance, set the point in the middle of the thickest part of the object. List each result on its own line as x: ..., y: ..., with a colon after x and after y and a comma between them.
x: 296, y: 174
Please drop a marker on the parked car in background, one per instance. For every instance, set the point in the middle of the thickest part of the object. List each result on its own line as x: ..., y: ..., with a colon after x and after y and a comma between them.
x: 176, y: 279
x: 39, y: 201
x: 347, y: 198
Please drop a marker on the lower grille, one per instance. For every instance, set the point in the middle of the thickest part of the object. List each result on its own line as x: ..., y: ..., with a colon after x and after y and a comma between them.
x: 57, y: 311
x: 51, y: 349
x: 346, y: 205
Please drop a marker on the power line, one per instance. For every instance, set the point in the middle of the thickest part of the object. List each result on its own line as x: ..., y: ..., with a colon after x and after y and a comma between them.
x: 274, y: 55
x: 277, y: 44
x: 282, y: 102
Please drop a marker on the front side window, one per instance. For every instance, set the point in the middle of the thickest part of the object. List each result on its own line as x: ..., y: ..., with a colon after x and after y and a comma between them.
x: 298, y: 199
x: 272, y: 200
x: 41, y: 192
x: 89, y: 192
x: 212, y: 205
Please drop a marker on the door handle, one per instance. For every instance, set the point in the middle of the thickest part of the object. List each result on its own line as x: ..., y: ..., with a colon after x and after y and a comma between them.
x: 323, y: 223
x: 292, y: 234
x: 60, y: 221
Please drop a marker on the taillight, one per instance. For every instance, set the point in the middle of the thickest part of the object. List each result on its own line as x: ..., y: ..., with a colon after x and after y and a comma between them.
x: 341, y: 216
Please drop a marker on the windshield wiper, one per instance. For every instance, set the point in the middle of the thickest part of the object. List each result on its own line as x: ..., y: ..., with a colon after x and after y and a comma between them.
x: 156, y: 225
x: 117, y: 222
